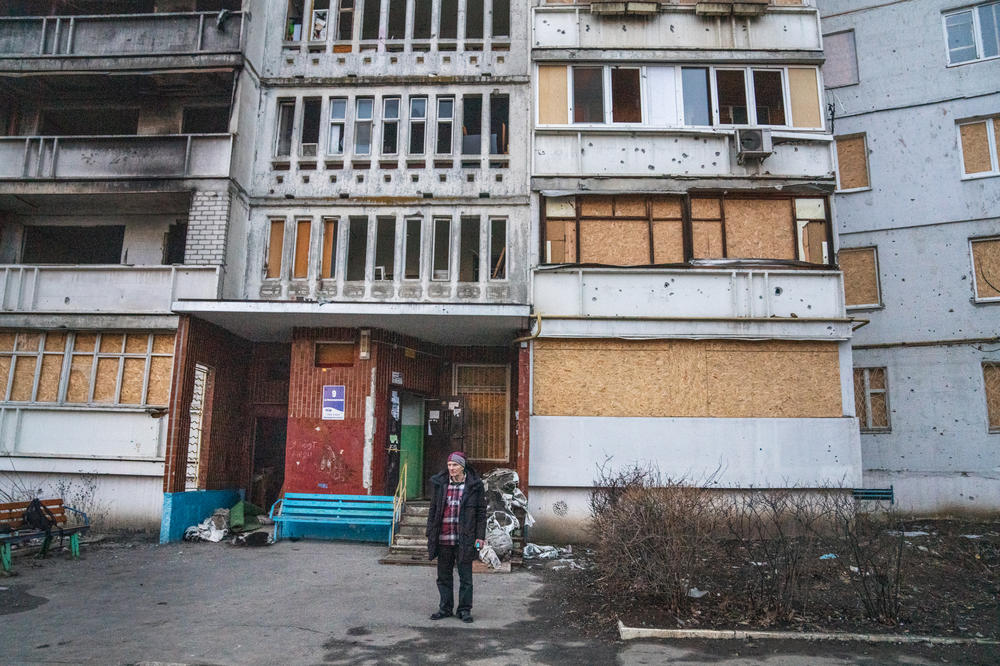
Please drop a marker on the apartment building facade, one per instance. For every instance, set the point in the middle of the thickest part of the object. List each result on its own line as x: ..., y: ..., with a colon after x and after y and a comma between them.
x: 115, y: 199
x: 918, y: 207
x: 684, y: 274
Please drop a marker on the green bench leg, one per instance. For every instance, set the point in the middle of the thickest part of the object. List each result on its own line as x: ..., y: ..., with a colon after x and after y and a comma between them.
x: 74, y: 545
x: 5, y: 556
x: 45, y: 546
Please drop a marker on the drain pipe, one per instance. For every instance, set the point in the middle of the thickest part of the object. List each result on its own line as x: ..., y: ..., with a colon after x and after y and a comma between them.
x: 538, y: 331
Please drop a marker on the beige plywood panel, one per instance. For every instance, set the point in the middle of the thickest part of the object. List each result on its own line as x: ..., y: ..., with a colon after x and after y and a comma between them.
x: 79, y: 378
x: 275, y: 248
x: 860, y: 276
x: 813, y: 240
x: 55, y: 342
x: 686, y: 378
x: 596, y: 206
x: 630, y: 206
x: 132, y: 378
x: 991, y: 381
x: 553, y: 96
x: 136, y: 343
x: 560, y: 241
x: 804, y: 90
x: 24, y: 378
x: 163, y: 344
x: 852, y: 162
x: 300, y: 268
x: 111, y: 343
x: 975, y: 148
x: 28, y: 341
x: 85, y: 342
x: 7, y: 340
x: 106, y: 381
x: 986, y: 257
x: 615, y: 242
x: 668, y: 242
x: 706, y: 209
x: 666, y: 207
x: 48, y: 379
x: 159, y: 380
x: 706, y: 240
x: 5, y: 363
x: 759, y: 229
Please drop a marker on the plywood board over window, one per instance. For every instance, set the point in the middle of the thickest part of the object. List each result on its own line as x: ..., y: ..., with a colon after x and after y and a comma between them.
x: 759, y: 229
x: 553, y: 97
x: 991, y: 385
x: 986, y: 264
x: 852, y: 162
x: 687, y: 378
x: 803, y: 87
x: 975, y: 148
x: 861, y: 285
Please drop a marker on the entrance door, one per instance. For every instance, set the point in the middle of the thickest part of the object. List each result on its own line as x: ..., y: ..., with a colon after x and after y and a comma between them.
x: 411, y: 445
x: 445, y: 427
x: 268, y: 461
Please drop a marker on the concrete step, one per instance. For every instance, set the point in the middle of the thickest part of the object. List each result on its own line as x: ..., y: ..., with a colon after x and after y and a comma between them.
x: 413, y: 520
x: 403, y: 540
x: 417, y: 510
x: 411, y: 530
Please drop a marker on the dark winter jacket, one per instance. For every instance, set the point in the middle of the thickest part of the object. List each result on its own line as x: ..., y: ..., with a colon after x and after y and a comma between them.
x: 471, y: 515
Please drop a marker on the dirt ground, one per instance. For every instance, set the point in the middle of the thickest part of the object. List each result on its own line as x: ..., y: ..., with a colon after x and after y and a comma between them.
x: 950, y: 588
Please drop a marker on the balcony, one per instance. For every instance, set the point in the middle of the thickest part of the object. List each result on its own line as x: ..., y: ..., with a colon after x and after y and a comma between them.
x: 678, y: 30
x: 115, y: 157
x: 103, y: 289
x: 33, y: 44
x: 697, y: 302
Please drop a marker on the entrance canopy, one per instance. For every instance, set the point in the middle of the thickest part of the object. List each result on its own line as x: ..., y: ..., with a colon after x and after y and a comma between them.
x: 439, y: 323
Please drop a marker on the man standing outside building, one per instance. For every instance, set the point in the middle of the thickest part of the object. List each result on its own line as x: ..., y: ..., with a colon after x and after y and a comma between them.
x: 456, y: 527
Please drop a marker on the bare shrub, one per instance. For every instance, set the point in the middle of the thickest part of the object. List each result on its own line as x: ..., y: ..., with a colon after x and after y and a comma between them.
x: 653, y: 536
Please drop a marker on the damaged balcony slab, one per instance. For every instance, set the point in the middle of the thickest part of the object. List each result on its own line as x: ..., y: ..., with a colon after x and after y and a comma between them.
x: 439, y: 323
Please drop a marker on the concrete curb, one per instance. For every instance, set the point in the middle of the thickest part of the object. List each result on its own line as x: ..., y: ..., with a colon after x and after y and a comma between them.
x: 629, y: 633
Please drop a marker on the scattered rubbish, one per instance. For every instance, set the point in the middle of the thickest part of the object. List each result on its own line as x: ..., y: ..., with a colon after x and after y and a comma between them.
x: 499, y: 536
x: 758, y: 564
x: 972, y: 536
x: 502, y: 491
x: 253, y: 539
x: 923, y: 548
x: 828, y: 556
x: 855, y: 570
x: 916, y: 533
x: 489, y: 556
x: 536, y: 552
x: 695, y: 593
x: 214, y: 528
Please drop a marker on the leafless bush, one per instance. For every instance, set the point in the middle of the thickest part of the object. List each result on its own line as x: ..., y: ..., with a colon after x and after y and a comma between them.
x: 873, y: 539
x: 653, y: 536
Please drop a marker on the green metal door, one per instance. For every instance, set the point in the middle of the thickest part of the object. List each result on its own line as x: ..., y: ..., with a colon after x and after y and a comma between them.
x: 411, y: 445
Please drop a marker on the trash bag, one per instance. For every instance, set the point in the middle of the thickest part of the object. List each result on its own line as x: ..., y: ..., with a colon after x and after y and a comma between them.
x: 214, y: 528
x: 532, y: 551
x: 243, y: 517
x: 489, y: 556
x: 503, y: 494
x: 499, y: 536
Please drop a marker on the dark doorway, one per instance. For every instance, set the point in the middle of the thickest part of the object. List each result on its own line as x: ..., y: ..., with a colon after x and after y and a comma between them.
x: 73, y: 245
x: 205, y: 120
x: 445, y: 427
x: 175, y: 243
x: 268, y: 461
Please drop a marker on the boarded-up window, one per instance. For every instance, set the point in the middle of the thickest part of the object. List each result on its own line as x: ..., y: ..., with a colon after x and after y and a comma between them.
x: 333, y: 354
x: 810, y: 222
x: 871, y: 399
x: 991, y: 383
x: 553, y: 104
x: 986, y: 265
x: 329, y: 258
x: 485, y: 389
x: 668, y: 230
x: 706, y: 228
x: 841, y: 66
x: 852, y: 162
x: 77, y: 367
x: 980, y: 143
x: 861, y: 284
x: 300, y: 268
x: 275, y: 248
x: 759, y: 229
x: 803, y: 88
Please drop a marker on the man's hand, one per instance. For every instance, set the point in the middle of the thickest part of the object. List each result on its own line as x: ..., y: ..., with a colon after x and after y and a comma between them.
x: 479, y: 543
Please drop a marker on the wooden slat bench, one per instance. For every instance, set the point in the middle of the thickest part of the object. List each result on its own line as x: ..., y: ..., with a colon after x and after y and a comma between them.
x: 875, y: 494
x: 14, y: 530
x: 352, y: 517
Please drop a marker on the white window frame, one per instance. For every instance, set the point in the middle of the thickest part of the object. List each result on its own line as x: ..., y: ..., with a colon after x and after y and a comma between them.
x: 293, y: 104
x: 867, y: 427
x: 991, y: 142
x: 337, y: 121
x: 451, y: 243
x: 386, y: 119
x: 449, y: 119
x: 972, y: 262
x: 977, y: 35
x: 420, y: 248
x: 606, y: 97
x: 751, y: 98
x: 358, y: 119
x: 413, y: 120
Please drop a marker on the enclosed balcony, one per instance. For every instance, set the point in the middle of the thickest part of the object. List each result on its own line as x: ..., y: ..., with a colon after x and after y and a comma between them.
x: 120, y: 41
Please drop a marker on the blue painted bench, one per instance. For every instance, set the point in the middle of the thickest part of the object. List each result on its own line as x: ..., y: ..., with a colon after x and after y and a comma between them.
x: 350, y: 517
x: 875, y: 494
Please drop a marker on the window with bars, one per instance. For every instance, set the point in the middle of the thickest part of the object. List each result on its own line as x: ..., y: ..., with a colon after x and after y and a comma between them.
x: 991, y: 385
x: 871, y: 399
x: 487, y: 403
x: 82, y: 367
x: 200, y: 426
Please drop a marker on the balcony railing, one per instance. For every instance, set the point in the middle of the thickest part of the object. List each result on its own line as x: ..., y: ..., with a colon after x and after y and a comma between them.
x: 90, y: 157
x: 117, y: 289
x: 120, y: 35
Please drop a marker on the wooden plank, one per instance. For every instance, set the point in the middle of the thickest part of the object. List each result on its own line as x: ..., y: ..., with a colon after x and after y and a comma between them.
x: 759, y: 229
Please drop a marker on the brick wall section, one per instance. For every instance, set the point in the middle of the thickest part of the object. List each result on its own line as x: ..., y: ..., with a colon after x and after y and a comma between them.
x: 225, y: 448
x: 208, y: 226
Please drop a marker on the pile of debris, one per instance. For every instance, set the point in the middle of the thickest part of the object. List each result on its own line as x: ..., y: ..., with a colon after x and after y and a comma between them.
x: 243, y: 521
x: 503, y: 498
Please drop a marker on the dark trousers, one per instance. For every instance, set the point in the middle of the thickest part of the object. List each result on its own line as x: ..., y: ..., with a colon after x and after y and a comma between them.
x: 446, y: 561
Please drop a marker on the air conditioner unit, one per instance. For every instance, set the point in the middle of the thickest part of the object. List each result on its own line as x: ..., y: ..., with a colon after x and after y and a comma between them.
x: 753, y: 143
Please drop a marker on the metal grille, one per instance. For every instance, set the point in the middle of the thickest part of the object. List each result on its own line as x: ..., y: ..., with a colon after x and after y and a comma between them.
x: 991, y: 381
x: 485, y: 389
x: 192, y: 467
x: 871, y: 399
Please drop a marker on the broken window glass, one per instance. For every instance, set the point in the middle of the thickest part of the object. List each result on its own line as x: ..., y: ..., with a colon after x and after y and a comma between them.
x: 319, y: 20
x: 626, y: 100
x: 499, y: 124
x: 732, y: 92
x: 468, y: 258
x: 769, y: 98
x: 411, y: 250
x: 442, y: 249
x: 697, y: 96
x: 588, y: 94
x: 286, y: 117
x: 310, y: 126
x: 474, y: 19
x: 293, y: 24
x: 357, y: 248
x: 73, y: 245
x: 472, y: 124
x: 385, y: 248
x: 498, y: 249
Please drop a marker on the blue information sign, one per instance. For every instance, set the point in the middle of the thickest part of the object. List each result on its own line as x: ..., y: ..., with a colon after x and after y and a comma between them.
x: 333, y: 403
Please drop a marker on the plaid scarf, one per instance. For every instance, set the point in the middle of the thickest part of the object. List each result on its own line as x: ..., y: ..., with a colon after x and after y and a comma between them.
x: 449, y: 523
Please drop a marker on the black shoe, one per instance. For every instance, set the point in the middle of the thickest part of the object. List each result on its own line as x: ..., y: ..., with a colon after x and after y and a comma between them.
x: 439, y: 615
x: 465, y: 616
